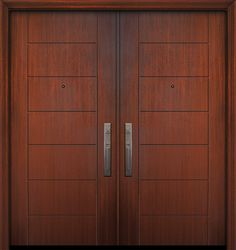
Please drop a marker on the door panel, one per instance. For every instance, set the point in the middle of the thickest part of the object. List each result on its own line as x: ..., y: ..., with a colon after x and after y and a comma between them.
x: 173, y: 27
x: 49, y: 161
x: 61, y: 27
x: 62, y: 128
x: 186, y: 162
x: 173, y: 93
x: 188, y: 94
x: 62, y: 93
x: 173, y: 128
x: 62, y: 59
x: 60, y: 230
x: 158, y: 230
x: 173, y: 59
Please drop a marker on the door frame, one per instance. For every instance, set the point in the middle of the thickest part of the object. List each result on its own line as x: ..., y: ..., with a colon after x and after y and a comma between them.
x: 229, y: 6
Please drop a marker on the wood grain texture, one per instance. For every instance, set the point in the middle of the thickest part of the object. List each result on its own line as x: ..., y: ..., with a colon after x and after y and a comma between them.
x: 173, y: 27
x: 122, y: 4
x: 19, y: 127
x: 107, y: 77
x: 173, y: 162
x: 63, y: 230
x: 173, y: 94
x: 173, y: 128
x: 61, y: 27
x: 62, y: 60
x: 128, y: 196
x: 4, y: 128
x: 62, y: 94
x: 62, y: 162
x: 217, y: 167
x: 173, y: 60
x: 173, y: 197
x: 53, y: 197
x: 62, y: 128
x: 231, y: 128
x: 186, y: 230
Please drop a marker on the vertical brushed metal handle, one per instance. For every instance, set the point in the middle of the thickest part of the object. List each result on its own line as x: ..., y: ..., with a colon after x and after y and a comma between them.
x: 128, y: 149
x: 107, y: 149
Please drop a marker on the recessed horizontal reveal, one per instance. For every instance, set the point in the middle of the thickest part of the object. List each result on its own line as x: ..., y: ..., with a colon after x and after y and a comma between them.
x: 173, y: 60
x: 173, y: 27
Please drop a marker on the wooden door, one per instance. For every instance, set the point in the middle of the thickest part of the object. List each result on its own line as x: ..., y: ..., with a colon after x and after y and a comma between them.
x: 163, y: 74
x: 172, y: 90
x: 63, y: 82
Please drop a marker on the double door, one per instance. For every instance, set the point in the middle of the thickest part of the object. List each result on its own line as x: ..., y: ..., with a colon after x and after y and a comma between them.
x: 117, y: 128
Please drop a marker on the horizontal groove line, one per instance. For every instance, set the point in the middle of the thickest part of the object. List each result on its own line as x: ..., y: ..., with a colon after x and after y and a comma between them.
x: 206, y: 42
x: 43, y: 144
x: 146, y: 144
x: 62, y: 111
x: 61, y: 43
x: 174, y: 215
x: 174, y: 111
x: 192, y: 179
x: 207, y: 76
x: 66, y: 180
x: 60, y: 215
x: 62, y: 76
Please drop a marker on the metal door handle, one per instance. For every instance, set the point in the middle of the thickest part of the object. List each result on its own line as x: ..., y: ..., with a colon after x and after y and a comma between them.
x: 128, y: 149
x: 107, y: 149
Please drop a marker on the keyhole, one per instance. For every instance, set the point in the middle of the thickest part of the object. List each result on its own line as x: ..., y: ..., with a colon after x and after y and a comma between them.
x: 63, y: 85
x: 172, y: 86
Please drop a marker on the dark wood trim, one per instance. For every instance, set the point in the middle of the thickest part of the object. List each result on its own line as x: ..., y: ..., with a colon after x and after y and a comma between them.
x: 4, y: 168
x: 231, y: 129
x: 117, y: 5
x: 227, y: 5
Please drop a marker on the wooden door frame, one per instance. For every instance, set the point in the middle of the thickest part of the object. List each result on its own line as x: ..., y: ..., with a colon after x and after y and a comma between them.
x: 6, y: 6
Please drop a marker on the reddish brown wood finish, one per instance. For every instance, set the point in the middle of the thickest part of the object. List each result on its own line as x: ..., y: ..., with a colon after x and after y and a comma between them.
x: 94, y: 4
x: 62, y: 60
x: 128, y: 198
x: 62, y: 162
x: 188, y: 94
x: 121, y: 4
x: 62, y: 93
x: 107, y: 76
x: 72, y: 230
x: 19, y: 138
x: 173, y: 127
x: 173, y: 60
x: 53, y: 27
x: 162, y: 199
x: 173, y: 198
x: 217, y: 169
x: 63, y: 198
x: 60, y: 132
x: 186, y: 162
x: 158, y: 230
x: 188, y: 27
x: 62, y: 128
